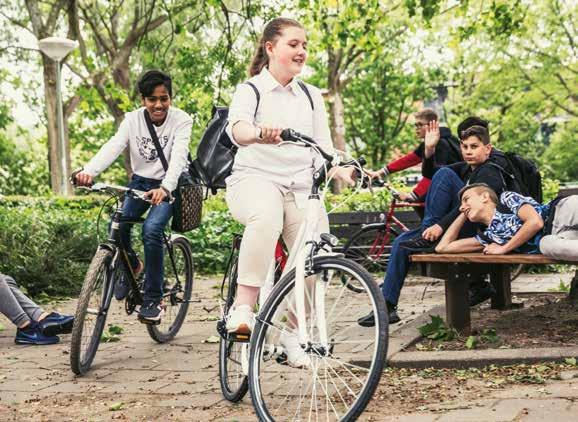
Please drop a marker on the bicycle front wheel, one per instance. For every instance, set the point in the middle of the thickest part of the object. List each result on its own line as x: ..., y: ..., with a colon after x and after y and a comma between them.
x: 344, y: 371
x: 177, y: 289
x: 91, y: 312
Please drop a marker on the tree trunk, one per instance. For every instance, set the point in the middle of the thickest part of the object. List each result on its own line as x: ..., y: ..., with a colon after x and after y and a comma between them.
x: 49, y: 74
x: 337, y: 119
x: 573, y: 294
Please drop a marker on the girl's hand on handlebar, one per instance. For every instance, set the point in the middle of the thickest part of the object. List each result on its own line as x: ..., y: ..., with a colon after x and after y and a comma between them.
x: 345, y: 174
x: 156, y: 196
x: 270, y: 135
x: 83, y: 179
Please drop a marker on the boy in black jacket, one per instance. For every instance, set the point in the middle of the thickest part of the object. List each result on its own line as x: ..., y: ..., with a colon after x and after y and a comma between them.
x: 442, y: 204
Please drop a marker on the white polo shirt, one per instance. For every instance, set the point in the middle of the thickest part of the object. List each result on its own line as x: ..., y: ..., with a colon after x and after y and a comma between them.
x: 289, y: 166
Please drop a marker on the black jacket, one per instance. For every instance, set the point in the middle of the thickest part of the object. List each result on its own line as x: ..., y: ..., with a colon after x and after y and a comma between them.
x: 487, y: 173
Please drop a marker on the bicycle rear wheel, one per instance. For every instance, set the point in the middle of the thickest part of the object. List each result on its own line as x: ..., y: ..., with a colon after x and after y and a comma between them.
x: 91, y: 311
x: 233, y: 356
x: 344, y: 373
x: 177, y: 289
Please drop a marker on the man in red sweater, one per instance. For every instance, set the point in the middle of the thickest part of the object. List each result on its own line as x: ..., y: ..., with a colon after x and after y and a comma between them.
x: 447, y: 152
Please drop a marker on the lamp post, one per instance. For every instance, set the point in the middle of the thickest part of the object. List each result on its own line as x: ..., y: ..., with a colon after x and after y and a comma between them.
x: 57, y: 48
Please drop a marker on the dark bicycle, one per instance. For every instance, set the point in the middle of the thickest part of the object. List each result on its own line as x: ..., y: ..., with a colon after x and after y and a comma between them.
x: 108, y: 266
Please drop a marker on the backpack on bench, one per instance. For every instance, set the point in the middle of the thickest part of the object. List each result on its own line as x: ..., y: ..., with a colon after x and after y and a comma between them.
x: 216, y: 152
x: 522, y: 176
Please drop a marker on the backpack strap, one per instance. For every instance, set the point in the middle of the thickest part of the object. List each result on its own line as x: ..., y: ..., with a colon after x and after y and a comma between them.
x: 306, y: 91
x: 252, y: 85
x: 155, y: 139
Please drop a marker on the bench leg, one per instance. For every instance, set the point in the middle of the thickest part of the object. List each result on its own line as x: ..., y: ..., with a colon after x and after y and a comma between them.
x: 573, y: 295
x: 457, y: 302
x: 500, y: 277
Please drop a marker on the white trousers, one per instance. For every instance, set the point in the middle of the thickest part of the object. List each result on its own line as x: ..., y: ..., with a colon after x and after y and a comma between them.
x: 266, y: 212
x: 563, y: 242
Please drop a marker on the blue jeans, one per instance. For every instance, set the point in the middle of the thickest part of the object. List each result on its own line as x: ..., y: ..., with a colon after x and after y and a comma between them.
x: 152, y: 235
x: 442, y: 197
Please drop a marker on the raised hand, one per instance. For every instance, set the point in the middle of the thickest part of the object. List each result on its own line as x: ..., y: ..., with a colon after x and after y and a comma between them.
x: 432, y: 134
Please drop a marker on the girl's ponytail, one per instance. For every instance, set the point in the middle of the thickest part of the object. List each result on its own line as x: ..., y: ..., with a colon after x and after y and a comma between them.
x: 272, y: 31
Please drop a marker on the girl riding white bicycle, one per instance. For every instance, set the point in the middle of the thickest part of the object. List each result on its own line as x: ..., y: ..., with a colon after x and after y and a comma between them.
x: 268, y: 188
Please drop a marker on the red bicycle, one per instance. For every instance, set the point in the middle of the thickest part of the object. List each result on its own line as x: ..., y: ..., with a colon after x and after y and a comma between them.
x: 370, y: 246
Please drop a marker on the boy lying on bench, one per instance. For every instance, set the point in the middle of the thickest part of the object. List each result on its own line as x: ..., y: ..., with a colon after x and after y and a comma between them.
x: 551, y: 229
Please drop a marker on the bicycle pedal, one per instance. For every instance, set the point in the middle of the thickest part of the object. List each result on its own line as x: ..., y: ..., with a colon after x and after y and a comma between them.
x: 148, y: 321
x: 240, y: 337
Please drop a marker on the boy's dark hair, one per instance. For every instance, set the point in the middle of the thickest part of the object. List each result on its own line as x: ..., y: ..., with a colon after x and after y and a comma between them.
x: 479, y: 132
x: 427, y: 114
x: 480, y: 188
x: 470, y: 121
x: 149, y: 80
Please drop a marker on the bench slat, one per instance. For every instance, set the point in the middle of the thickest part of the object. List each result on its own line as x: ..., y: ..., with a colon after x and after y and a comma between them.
x: 487, y: 259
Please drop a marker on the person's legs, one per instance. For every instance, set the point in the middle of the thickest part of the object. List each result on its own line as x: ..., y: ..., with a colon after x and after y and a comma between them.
x: 15, y: 305
x: 132, y: 209
x: 442, y: 196
x: 397, y: 268
x: 563, y: 242
x: 24, y: 313
x: 152, y: 236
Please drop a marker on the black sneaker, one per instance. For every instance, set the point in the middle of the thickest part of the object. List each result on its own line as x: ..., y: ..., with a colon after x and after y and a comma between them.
x: 55, y: 324
x: 480, y: 293
x: 419, y: 244
x: 369, y: 319
x: 151, y: 312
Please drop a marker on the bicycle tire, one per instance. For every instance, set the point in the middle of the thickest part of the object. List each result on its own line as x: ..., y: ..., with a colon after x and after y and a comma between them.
x: 232, y: 391
x: 356, y: 249
x: 176, y: 295
x: 97, y: 277
x: 266, y: 322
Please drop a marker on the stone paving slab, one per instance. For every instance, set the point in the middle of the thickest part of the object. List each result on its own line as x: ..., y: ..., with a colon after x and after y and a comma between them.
x: 184, y: 373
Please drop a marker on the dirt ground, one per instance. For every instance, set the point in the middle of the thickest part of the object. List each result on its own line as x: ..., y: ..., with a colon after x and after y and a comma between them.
x: 546, y: 320
x: 400, y: 391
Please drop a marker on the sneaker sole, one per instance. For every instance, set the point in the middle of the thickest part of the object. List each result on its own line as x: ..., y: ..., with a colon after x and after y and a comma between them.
x: 56, y: 329
x: 35, y: 343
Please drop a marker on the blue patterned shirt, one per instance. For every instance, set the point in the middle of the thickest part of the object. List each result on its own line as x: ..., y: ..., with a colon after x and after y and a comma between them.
x: 505, y: 225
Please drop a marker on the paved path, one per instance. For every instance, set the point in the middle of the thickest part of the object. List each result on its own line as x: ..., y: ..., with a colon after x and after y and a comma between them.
x: 179, y: 381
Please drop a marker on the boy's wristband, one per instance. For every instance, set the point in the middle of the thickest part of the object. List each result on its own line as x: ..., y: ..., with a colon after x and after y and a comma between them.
x: 385, y: 171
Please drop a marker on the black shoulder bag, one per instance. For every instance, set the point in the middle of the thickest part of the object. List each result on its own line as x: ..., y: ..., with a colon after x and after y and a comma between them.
x: 188, y: 203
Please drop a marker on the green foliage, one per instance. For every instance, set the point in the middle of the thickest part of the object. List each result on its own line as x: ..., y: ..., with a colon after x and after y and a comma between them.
x: 563, y: 150
x: 46, y: 250
x: 562, y: 287
x: 437, y: 330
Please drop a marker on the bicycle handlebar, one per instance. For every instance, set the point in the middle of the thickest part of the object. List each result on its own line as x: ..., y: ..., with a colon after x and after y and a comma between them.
x: 118, y: 190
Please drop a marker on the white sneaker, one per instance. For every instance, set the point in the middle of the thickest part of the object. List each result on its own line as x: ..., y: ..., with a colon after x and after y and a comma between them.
x: 240, y: 320
x: 296, y: 356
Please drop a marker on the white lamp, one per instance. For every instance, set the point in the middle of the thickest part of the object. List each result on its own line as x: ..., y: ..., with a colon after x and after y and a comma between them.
x: 57, y: 48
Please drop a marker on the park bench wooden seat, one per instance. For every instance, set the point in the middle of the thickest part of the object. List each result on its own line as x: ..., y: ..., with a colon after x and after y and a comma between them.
x: 459, y: 269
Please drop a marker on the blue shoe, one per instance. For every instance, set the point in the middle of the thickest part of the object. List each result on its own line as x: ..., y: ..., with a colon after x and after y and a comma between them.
x: 32, y: 334
x: 151, y: 312
x: 55, y: 323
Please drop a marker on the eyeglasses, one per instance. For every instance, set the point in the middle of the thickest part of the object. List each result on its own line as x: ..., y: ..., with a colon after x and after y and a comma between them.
x: 419, y: 125
x: 162, y: 98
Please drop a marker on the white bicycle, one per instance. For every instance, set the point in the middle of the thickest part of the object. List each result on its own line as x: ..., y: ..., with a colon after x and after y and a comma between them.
x: 314, y: 303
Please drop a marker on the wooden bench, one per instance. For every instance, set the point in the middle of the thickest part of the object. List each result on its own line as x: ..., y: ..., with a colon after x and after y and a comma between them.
x: 459, y: 269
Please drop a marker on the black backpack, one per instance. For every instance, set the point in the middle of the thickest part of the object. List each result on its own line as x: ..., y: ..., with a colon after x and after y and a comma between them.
x: 216, y: 152
x: 522, y: 176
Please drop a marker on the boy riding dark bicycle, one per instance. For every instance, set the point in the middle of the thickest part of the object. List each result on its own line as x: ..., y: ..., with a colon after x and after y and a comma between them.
x: 173, y: 129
